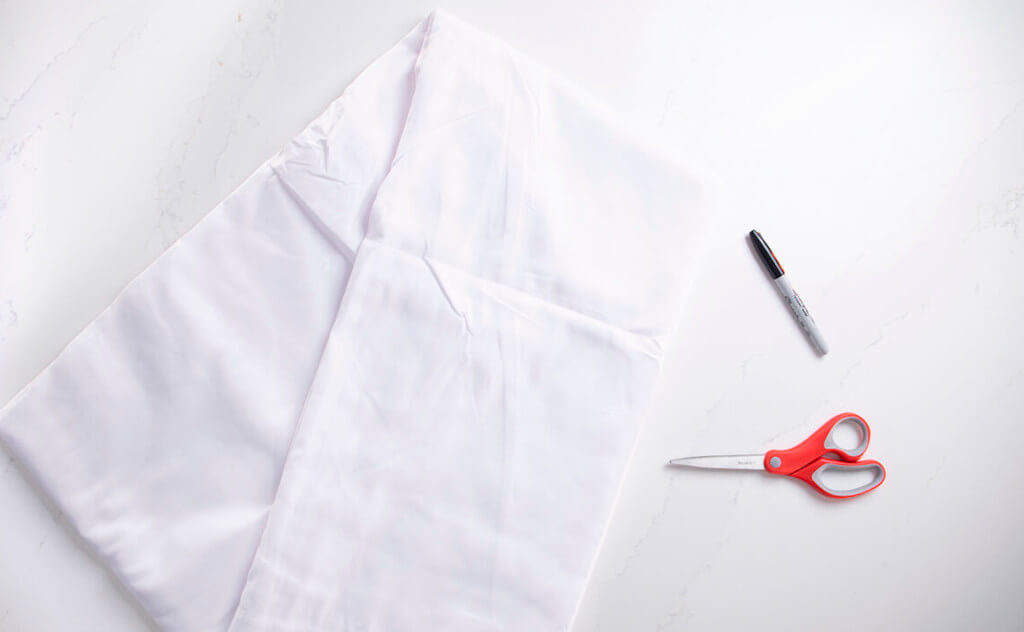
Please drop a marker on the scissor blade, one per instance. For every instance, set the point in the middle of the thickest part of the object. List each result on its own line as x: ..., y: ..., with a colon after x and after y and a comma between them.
x: 723, y: 461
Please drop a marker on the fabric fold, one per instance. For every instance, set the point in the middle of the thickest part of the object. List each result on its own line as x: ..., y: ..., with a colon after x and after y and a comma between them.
x: 394, y: 380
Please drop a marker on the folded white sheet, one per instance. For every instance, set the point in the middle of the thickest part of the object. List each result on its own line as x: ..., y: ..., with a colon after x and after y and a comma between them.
x: 392, y: 382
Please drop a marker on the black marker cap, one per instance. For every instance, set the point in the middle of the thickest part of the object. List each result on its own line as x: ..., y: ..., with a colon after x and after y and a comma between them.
x: 767, y: 256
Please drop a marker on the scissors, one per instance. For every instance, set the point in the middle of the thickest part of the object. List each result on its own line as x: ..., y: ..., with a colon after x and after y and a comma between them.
x: 809, y: 460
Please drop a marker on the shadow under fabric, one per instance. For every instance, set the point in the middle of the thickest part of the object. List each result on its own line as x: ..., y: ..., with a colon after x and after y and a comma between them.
x: 393, y: 381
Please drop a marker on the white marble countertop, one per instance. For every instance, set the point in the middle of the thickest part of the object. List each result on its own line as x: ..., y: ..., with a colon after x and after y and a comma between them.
x: 878, y: 145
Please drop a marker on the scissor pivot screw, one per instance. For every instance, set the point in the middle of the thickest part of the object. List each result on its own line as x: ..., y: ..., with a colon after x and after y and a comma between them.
x: 775, y: 462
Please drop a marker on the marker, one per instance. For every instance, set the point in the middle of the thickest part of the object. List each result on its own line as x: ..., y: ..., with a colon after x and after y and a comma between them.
x: 792, y: 298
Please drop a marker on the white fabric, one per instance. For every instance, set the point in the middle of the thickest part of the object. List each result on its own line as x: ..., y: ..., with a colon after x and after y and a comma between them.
x: 393, y: 381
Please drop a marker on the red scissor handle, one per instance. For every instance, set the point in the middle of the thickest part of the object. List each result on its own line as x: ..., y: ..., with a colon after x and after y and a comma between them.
x: 814, y: 475
x: 807, y: 461
x: 818, y: 445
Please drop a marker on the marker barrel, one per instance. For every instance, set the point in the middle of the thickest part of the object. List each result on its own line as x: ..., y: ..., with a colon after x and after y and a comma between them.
x: 803, y: 316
